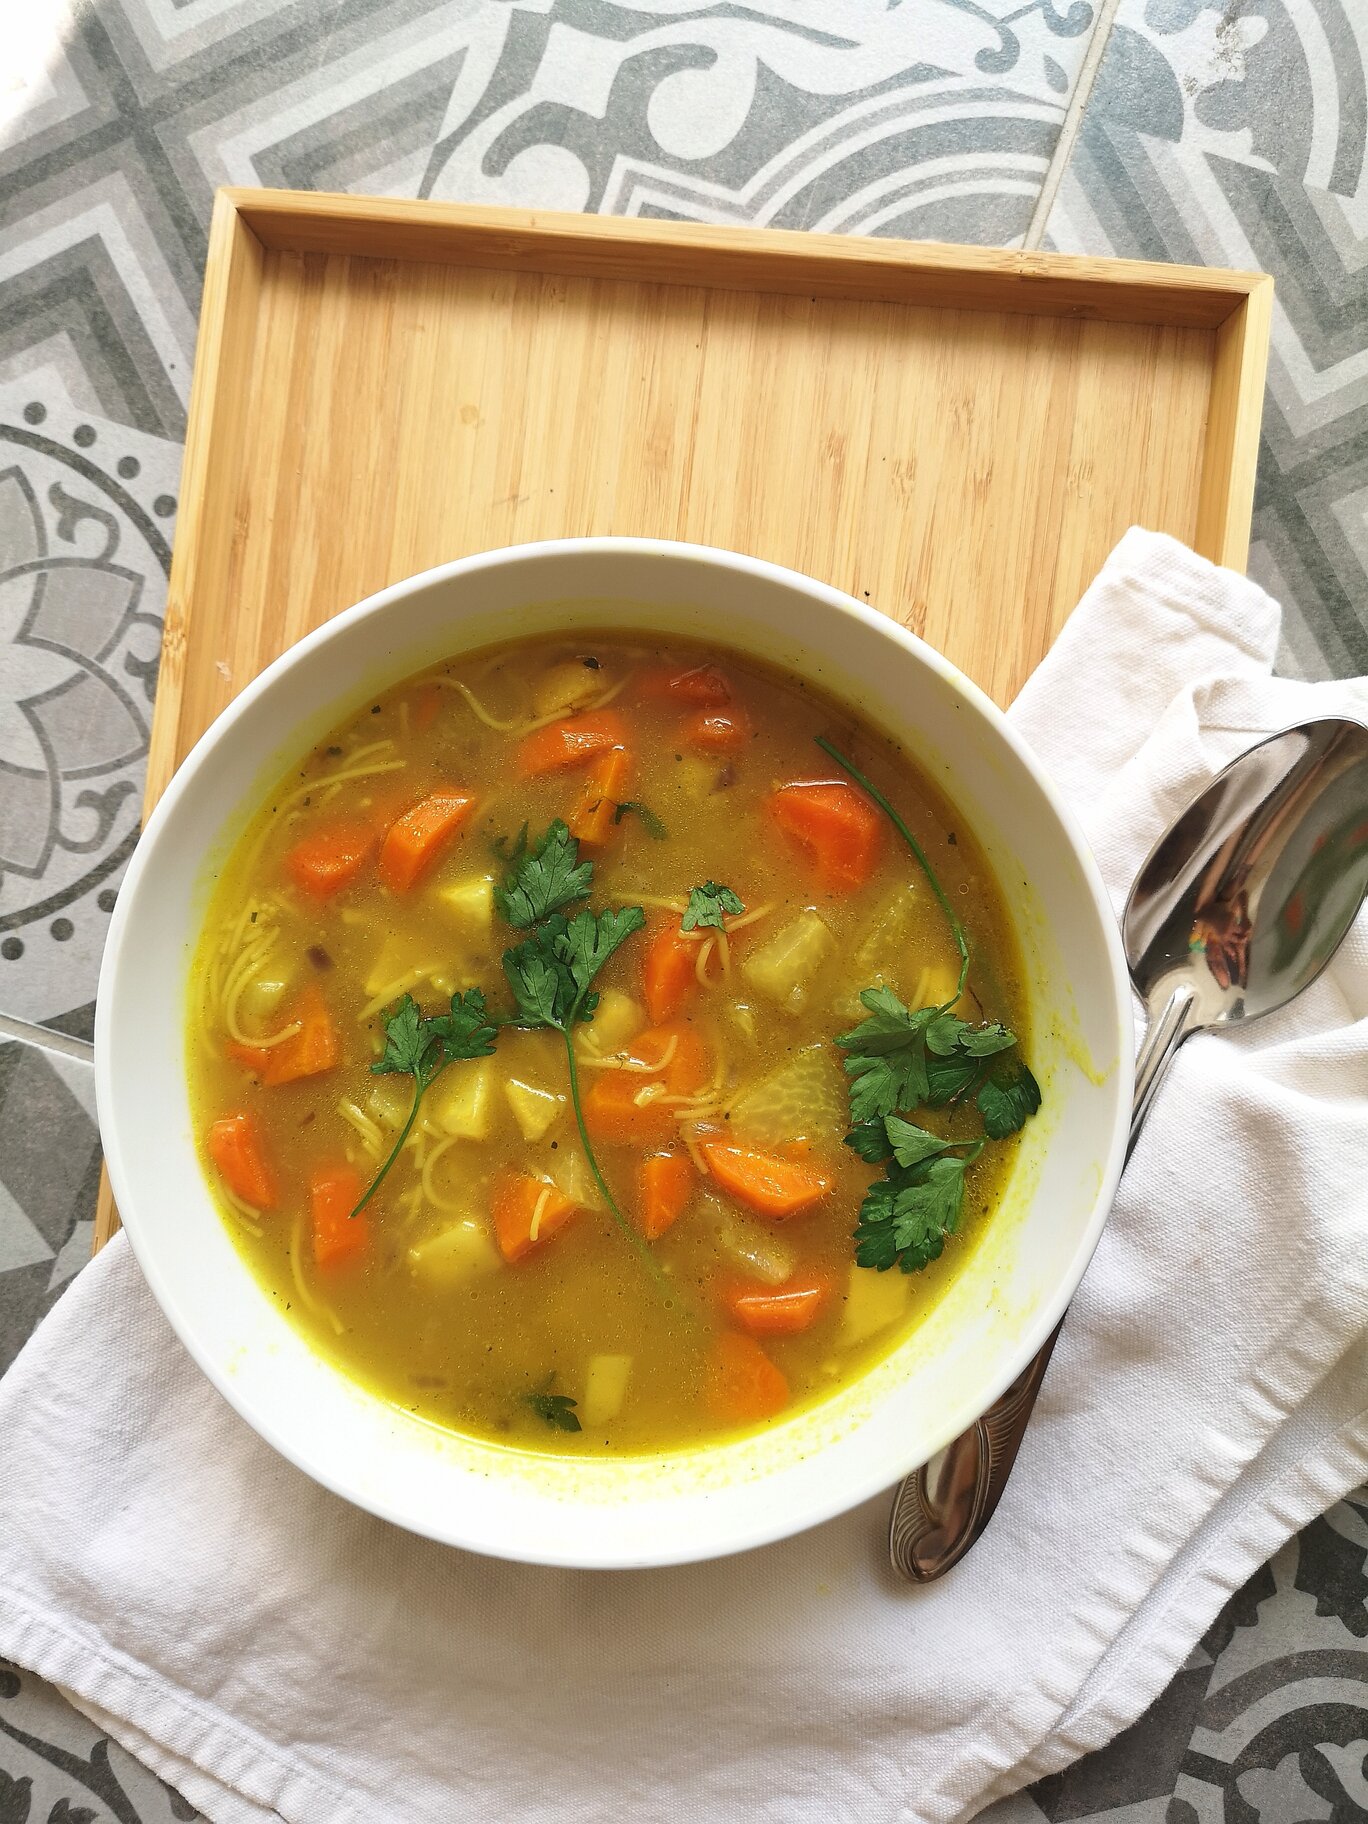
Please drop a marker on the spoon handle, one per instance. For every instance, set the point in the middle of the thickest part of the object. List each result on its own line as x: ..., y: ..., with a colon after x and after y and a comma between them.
x: 943, y: 1507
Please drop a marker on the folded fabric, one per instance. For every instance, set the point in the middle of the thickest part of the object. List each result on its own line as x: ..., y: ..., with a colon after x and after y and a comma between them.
x: 274, y: 1652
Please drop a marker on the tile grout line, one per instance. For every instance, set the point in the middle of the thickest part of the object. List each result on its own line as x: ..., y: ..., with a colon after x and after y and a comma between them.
x: 26, y: 1033
x: 1073, y: 120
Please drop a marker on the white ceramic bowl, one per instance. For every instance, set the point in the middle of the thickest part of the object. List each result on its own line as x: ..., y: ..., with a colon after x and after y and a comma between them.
x: 636, y: 1511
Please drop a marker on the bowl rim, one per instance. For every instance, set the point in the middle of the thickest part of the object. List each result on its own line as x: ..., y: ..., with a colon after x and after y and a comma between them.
x: 849, y: 1494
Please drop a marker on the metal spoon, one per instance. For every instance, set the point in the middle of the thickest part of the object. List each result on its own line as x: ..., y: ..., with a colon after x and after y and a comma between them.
x: 1238, y: 909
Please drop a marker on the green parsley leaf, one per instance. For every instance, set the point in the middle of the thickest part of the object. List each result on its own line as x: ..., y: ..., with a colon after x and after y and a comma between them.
x: 542, y: 984
x: 983, y: 1041
x: 557, y: 1409
x: 912, y: 1144
x: 1007, y: 1100
x: 652, y: 825
x: 590, y: 939
x: 408, y: 1042
x: 907, y: 1216
x: 551, y: 971
x: 949, y: 1077
x: 887, y: 1062
x: 868, y: 1139
x: 465, y: 1030
x: 550, y: 875
x: 708, y: 903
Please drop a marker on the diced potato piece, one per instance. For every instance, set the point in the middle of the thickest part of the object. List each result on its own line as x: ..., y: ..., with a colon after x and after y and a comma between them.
x: 535, y: 1110
x: 873, y: 1302
x: 804, y: 1099
x: 454, y: 1253
x: 617, y: 1018
x: 470, y: 904
x: 890, y: 954
x: 568, y: 1170
x: 784, y: 968
x: 937, y: 985
x: 605, y: 1388
x: 262, y: 996
x: 697, y: 776
x: 752, y: 1246
x: 462, y: 1098
x: 397, y: 959
x: 566, y: 687
x: 389, y: 1101
x: 532, y: 1055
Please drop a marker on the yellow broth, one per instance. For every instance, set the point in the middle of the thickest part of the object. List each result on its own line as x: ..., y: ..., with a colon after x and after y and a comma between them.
x: 425, y: 1311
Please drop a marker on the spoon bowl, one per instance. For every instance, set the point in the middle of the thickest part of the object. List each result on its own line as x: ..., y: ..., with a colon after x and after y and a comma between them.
x: 1244, y: 900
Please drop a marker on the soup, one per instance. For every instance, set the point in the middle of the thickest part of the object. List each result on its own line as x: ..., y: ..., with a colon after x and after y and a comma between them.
x: 606, y: 1045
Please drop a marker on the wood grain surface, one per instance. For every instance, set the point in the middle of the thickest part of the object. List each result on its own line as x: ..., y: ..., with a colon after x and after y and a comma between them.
x: 957, y: 436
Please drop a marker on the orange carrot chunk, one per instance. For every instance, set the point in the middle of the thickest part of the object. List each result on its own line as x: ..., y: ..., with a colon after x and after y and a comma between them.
x: 235, y: 1148
x: 573, y: 741
x: 837, y: 828
x: 718, y: 731
x: 668, y: 962
x: 702, y: 685
x: 414, y: 841
x: 614, y: 1117
x: 326, y: 860
x: 334, y: 1191
x: 777, y: 1310
x: 667, y: 1181
x: 593, y: 819
x: 527, y: 1212
x: 769, y: 1185
x: 316, y: 1047
x: 743, y: 1383
x: 612, y: 1112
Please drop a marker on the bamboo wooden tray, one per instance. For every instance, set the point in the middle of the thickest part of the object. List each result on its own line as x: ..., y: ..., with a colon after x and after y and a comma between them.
x: 958, y: 436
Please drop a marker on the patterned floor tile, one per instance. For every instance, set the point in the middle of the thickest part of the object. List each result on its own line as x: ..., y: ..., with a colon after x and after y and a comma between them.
x: 49, y: 1174
x: 56, y: 1768
x: 86, y: 513
x: 1239, y: 137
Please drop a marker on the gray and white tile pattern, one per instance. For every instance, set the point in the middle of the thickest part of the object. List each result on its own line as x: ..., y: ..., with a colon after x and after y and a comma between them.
x: 1169, y: 129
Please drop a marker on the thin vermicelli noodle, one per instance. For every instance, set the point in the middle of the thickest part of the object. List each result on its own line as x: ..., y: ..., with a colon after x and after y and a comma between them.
x: 430, y: 1192
x: 306, y: 1297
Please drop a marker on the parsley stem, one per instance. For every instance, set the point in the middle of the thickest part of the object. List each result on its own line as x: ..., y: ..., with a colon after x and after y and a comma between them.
x: 952, y: 919
x: 418, y: 1087
x: 599, y: 1178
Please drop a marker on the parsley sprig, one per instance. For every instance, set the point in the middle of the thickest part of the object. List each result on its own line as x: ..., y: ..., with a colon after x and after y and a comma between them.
x: 422, y: 1048
x: 707, y: 905
x: 898, y: 1061
x: 553, y: 969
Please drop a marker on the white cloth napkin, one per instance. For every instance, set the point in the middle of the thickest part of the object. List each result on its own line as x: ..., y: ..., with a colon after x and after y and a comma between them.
x: 274, y: 1652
